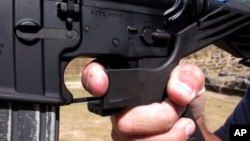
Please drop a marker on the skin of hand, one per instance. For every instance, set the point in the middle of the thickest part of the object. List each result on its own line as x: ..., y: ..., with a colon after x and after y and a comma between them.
x: 157, y: 121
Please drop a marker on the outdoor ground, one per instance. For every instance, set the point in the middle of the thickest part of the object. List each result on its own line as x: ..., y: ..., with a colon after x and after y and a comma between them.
x: 77, y: 124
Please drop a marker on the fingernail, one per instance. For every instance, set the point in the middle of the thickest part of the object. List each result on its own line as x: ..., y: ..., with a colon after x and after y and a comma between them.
x: 185, y: 89
x: 190, y: 78
x: 189, y: 129
x: 201, y: 91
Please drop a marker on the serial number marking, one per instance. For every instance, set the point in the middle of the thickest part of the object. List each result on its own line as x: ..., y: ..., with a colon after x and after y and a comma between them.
x: 98, y: 13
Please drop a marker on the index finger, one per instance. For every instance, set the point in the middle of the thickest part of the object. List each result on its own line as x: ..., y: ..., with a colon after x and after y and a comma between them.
x: 94, y: 79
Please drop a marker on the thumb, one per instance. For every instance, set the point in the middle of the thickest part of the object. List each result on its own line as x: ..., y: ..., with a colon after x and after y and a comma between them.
x: 185, y: 83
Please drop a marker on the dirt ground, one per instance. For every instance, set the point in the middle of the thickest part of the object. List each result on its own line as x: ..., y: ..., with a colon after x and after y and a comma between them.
x: 77, y: 124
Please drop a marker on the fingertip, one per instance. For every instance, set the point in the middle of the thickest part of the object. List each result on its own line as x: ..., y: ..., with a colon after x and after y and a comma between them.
x: 189, y: 128
x: 182, y: 130
x: 94, y: 79
x: 186, y: 125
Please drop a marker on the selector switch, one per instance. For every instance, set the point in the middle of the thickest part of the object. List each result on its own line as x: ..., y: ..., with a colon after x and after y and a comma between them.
x: 147, y: 36
x: 150, y: 37
x: 161, y: 36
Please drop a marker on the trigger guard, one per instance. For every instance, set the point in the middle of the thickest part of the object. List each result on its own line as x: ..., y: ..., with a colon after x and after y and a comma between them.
x: 112, y: 62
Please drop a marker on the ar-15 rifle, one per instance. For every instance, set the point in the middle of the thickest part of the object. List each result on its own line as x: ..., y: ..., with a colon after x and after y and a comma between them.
x: 143, y: 39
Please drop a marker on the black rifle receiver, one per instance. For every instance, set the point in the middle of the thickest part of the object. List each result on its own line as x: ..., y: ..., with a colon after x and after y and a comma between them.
x: 140, y: 42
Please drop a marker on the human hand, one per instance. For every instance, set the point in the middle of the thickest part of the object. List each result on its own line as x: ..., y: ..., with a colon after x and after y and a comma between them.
x: 157, y: 121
